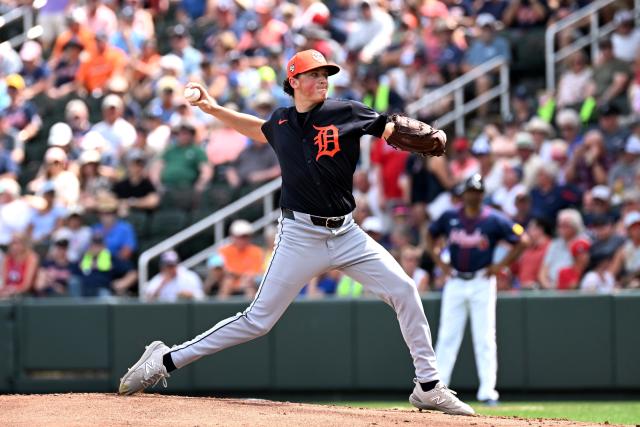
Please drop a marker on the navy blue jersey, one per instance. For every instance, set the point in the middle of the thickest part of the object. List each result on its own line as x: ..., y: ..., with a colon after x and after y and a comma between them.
x: 318, y: 153
x: 471, y: 241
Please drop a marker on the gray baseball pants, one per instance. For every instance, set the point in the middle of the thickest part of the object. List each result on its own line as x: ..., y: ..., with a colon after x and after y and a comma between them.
x: 302, y: 251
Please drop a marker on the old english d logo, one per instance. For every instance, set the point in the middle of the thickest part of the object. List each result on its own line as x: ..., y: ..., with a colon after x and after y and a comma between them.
x: 326, y: 140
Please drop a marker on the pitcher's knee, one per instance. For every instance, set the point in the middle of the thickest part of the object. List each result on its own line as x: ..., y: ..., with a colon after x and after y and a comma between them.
x: 258, y: 327
x: 403, y: 290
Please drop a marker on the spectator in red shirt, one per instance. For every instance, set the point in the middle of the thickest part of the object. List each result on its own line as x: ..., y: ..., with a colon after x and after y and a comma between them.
x: 389, y: 164
x: 570, y: 277
x: 527, y: 267
x: 463, y: 164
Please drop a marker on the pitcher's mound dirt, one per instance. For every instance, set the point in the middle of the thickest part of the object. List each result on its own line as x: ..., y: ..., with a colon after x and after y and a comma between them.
x: 159, y: 410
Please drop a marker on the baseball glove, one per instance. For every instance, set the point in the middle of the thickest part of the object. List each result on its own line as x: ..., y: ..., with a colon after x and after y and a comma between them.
x: 417, y: 137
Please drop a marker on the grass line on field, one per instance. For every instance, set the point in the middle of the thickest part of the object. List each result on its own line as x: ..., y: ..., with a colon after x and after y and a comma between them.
x: 614, y: 412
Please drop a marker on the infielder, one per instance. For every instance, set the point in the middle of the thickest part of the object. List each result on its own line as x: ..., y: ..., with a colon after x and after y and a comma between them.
x: 317, y: 144
x: 472, y: 232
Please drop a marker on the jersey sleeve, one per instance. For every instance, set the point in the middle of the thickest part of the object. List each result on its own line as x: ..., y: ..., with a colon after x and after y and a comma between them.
x: 267, y: 127
x: 439, y: 227
x: 508, y: 230
x: 367, y: 120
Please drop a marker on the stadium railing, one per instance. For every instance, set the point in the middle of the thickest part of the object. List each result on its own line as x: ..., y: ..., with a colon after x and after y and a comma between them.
x: 595, y: 32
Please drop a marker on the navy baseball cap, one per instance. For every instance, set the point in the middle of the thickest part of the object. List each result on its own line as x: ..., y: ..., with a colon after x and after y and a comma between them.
x: 474, y: 182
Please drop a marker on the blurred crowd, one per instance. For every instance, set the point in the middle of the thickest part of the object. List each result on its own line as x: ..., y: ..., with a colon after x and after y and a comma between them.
x: 101, y: 156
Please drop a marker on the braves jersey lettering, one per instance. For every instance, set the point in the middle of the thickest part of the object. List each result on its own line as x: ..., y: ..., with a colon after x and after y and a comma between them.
x: 472, y: 241
x: 319, y: 154
x: 468, y: 241
x: 327, y: 141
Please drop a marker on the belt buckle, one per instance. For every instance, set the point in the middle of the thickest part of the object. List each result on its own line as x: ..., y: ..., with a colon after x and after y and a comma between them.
x: 333, y: 218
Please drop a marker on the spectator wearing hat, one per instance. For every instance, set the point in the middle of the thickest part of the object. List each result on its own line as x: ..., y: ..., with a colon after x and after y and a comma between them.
x: 597, y: 202
x: 76, y: 115
x: 626, y: 262
x: 485, y: 47
x: 119, y: 236
x: 243, y: 262
x: 529, y: 159
x: 574, y: 82
x: 100, y: 273
x: 20, y: 267
x: 168, y: 89
x: 60, y: 135
x: 119, y: 133
x: 97, y: 69
x: 56, y: 269
x: 183, y: 164
x: 463, y: 164
x: 613, y: 133
x: 610, y: 78
x: 34, y: 71
x: 375, y: 228
x: 623, y: 171
x: 15, y: 212
x: 21, y: 116
x: 605, y: 242
x: 215, y: 274
x: 571, y: 276
x: 93, y: 178
x: 527, y: 267
x: 569, y: 226
x: 135, y: 190
x: 76, y: 232
x: 55, y: 169
x: 47, y: 217
x: 541, y: 132
x: 76, y: 31
x: 626, y: 39
x: 181, y: 46
x: 174, y: 282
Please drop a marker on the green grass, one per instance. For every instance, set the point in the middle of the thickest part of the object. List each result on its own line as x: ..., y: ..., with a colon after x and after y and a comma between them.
x: 615, y: 412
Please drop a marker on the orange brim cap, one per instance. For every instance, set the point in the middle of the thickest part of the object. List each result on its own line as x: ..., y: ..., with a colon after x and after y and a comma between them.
x: 308, y: 60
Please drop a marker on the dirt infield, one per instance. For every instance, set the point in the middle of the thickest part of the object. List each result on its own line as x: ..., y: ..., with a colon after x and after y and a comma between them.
x: 159, y: 410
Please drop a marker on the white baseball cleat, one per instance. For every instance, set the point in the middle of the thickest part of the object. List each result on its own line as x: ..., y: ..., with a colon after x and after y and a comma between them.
x: 439, y: 399
x: 147, y: 372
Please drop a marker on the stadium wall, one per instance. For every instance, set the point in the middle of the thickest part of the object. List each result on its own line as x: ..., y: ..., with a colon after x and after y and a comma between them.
x: 546, y: 341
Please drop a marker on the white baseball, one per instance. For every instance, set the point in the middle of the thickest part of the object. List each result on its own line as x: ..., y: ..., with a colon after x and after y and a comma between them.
x: 192, y: 94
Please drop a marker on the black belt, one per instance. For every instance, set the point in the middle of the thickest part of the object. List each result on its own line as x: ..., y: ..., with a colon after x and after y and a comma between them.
x: 466, y: 275
x: 330, y: 222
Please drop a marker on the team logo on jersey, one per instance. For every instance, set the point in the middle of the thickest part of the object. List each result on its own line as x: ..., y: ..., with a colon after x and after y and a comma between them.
x: 468, y: 241
x: 327, y: 141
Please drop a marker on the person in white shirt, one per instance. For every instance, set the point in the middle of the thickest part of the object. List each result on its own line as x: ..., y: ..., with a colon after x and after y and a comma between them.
x: 15, y: 212
x: 174, y: 282
x: 600, y: 279
x: 120, y: 134
x: 626, y: 39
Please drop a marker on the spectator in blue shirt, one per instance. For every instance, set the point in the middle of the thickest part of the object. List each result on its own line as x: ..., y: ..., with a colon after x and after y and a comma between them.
x: 119, y: 235
x: 484, y: 48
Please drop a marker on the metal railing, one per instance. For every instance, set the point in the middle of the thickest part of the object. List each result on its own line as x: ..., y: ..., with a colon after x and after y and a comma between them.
x: 216, y: 220
x: 590, y: 12
x: 29, y: 31
x: 456, y: 88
